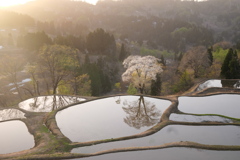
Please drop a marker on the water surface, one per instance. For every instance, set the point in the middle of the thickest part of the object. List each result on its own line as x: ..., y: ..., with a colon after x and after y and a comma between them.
x: 48, y: 103
x: 220, y: 84
x: 110, y: 117
x: 212, y: 135
x: 8, y: 114
x: 192, y: 118
x: 224, y: 104
x: 14, y: 137
x: 170, y: 154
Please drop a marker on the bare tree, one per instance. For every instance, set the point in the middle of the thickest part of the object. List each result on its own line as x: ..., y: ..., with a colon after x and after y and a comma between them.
x: 32, y: 70
x: 55, y: 64
x: 10, y: 67
x: 195, y: 59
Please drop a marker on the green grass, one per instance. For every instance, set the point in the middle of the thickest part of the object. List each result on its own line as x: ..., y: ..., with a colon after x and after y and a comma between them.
x: 156, y: 53
x: 220, y: 54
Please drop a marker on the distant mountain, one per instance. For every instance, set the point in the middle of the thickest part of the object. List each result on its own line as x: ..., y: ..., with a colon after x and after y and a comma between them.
x: 142, y: 20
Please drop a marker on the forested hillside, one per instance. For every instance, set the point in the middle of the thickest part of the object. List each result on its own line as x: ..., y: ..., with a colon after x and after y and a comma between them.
x: 189, y: 39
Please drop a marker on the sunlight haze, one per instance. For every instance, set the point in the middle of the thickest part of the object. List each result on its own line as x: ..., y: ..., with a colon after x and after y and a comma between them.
x: 91, y: 1
x: 6, y: 3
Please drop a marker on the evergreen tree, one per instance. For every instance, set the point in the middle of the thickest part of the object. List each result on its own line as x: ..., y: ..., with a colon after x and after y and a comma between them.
x: 230, y: 68
x: 210, y: 56
x: 163, y: 60
x: 156, y: 86
x: 123, y: 53
x: 101, y: 43
x: 225, y: 66
x: 34, y: 41
x: 72, y: 41
x: 95, y: 77
x: 100, y: 81
x: 234, y: 67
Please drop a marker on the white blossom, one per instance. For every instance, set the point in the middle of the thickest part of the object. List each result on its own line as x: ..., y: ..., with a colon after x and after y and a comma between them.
x: 141, y: 70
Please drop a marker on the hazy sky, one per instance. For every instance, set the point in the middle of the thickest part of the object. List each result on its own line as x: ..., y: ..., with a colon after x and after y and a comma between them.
x: 4, y: 3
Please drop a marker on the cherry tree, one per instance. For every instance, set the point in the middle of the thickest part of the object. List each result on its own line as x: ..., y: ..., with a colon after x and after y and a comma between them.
x: 140, y: 71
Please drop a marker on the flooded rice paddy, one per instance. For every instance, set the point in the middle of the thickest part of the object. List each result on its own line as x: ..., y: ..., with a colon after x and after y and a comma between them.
x: 110, y: 117
x: 121, y: 116
x: 214, y: 135
x: 9, y: 114
x: 233, y: 84
x: 14, y: 137
x: 48, y: 103
x: 224, y: 104
x: 192, y: 118
x: 170, y: 154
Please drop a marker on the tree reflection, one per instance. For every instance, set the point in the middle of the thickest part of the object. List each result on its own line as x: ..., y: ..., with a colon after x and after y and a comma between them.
x: 228, y: 83
x: 48, y: 103
x: 9, y: 114
x: 237, y: 84
x: 141, y: 113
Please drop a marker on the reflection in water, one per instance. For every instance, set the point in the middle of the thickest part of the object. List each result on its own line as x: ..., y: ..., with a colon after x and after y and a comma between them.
x: 103, y: 118
x: 48, y: 103
x: 141, y: 113
x: 237, y: 85
x: 224, y: 104
x: 209, y: 84
x: 230, y: 83
x: 193, y: 118
x: 212, y: 135
x: 219, y: 83
x: 170, y: 154
x: 8, y: 114
x: 14, y: 137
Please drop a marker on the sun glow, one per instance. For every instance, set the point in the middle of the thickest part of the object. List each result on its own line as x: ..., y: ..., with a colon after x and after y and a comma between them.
x: 88, y: 1
x: 91, y: 1
x: 6, y: 3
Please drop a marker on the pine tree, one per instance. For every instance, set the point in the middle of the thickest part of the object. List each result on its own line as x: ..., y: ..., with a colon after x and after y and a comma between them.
x: 234, y: 67
x: 231, y: 68
x: 225, y: 65
x: 123, y: 53
x: 210, y: 56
